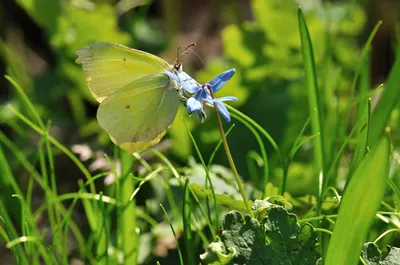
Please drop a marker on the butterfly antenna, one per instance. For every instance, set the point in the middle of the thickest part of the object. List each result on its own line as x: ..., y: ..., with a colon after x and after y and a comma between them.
x: 185, y: 51
x: 198, y: 56
x: 177, y: 51
x: 188, y: 47
x: 177, y: 55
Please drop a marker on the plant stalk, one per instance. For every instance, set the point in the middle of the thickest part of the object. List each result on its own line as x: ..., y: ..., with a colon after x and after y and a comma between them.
x: 230, y: 159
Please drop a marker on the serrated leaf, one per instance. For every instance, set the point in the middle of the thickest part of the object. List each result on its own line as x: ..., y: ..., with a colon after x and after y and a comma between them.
x: 278, y: 239
x: 217, y: 254
x: 373, y: 256
x: 260, y: 207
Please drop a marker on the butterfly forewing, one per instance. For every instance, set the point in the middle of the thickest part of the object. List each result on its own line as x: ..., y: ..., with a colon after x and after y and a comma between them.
x: 109, y: 67
x: 137, y: 115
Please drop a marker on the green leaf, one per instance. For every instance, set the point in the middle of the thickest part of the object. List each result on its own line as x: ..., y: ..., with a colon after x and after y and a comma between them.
x: 260, y: 207
x: 217, y: 254
x: 373, y: 256
x: 222, y: 199
x: 359, y: 205
x: 313, y: 95
x: 278, y: 239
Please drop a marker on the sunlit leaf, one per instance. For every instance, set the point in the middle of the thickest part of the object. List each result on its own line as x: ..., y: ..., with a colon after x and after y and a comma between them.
x: 278, y: 239
x: 359, y: 205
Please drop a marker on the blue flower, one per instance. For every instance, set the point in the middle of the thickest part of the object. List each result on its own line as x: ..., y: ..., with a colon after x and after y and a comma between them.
x: 201, y: 93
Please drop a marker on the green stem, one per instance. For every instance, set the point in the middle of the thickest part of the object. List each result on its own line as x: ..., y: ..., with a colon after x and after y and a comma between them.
x: 230, y: 159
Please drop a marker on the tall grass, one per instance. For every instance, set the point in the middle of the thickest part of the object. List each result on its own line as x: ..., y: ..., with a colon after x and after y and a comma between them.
x: 115, y: 225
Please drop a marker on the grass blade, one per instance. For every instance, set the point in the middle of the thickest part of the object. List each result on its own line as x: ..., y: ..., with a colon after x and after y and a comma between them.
x: 359, y: 205
x: 362, y: 138
x: 387, y: 102
x: 32, y: 110
x: 364, y: 57
x: 127, y: 213
x: 11, y: 233
x: 207, y: 171
x: 211, y: 159
x: 263, y: 151
x: 178, y: 177
x: 173, y: 232
x: 103, y: 233
x: 8, y: 183
x: 313, y: 97
x: 187, y: 228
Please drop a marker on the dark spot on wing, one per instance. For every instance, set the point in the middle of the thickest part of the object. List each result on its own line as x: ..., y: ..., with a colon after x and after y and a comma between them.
x: 135, y: 137
x: 127, y: 106
x: 124, y: 59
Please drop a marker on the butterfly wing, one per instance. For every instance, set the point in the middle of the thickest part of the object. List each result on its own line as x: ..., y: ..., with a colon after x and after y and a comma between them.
x: 108, y: 67
x: 138, y: 114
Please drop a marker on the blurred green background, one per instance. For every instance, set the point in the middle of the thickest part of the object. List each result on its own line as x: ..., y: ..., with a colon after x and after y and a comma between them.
x: 259, y: 38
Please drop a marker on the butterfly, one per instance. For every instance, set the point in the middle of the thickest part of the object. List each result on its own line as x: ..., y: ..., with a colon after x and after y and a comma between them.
x: 138, y: 101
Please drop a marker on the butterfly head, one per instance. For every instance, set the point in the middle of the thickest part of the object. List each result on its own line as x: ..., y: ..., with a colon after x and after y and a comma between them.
x: 178, y: 64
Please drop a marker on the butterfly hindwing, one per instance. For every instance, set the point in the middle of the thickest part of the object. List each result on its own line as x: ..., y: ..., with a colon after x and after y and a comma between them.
x: 137, y: 115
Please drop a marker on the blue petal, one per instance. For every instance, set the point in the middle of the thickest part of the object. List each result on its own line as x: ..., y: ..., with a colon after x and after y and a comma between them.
x: 198, y: 95
x: 193, y: 105
x: 220, y: 80
x: 201, y: 115
x: 180, y: 79
x: 172, y: 75
x: 187, y: 82
x: 203, y: 93
x: 225, y: 99
x: 209, y: 100
x: 224, y: 112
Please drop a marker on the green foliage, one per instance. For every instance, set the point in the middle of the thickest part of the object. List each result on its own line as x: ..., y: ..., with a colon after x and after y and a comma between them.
x: 390, y: 97
x: 267, y: 54
x: 314, y: 102
x: 217, y: 254
x: 274, y: 237
x: 303, y: 80
x: 372, y: 255
x: 358, y: 210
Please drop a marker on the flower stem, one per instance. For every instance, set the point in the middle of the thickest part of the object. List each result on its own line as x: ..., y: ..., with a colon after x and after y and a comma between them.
x: 230, y: 159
